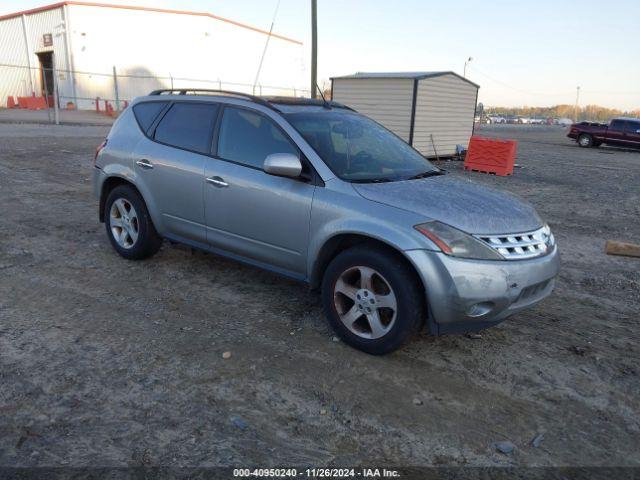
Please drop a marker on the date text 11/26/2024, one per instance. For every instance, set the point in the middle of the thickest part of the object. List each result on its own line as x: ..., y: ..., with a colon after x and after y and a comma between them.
x: 316, y: 473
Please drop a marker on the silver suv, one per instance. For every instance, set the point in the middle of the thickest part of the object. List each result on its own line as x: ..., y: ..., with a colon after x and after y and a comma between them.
x: 317, y: 192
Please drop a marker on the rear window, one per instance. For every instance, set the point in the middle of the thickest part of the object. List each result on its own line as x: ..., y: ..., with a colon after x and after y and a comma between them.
x: 188, y: 126
x: 147, y: 112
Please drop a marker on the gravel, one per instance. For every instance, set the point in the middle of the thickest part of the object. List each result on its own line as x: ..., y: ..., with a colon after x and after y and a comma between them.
x: 109, y: 362
x: 505, y: 447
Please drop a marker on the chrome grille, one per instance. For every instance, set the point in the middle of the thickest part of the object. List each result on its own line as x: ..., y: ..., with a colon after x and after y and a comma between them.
x: 518, y: 246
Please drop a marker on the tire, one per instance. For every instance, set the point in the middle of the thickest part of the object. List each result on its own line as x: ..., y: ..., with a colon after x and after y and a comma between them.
x: 345, y: 296
x: 126, y: 217
x: 585, y: 140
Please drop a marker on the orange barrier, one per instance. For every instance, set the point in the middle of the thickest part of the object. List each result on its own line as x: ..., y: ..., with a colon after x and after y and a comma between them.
x: 22, y: 102
x: 487, y: 155
x: 32, y: 103
x: 37, y: 103
x: 11, y: 102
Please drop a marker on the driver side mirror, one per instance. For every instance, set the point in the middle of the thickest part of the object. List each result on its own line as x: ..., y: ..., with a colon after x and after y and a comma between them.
x: 283, y: 165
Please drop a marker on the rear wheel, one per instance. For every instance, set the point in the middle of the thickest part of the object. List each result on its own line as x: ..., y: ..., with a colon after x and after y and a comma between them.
x: 129, y: 226
x: 372, y: 299
x: 585, y: 140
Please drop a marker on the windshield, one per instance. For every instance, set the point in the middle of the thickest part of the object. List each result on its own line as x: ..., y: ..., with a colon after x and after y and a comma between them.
x: 357, y: 149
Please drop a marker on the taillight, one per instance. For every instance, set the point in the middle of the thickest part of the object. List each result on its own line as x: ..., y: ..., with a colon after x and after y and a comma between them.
x: 99, y: 149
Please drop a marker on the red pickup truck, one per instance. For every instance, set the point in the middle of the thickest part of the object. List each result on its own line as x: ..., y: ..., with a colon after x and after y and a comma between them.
x: 621, y: 132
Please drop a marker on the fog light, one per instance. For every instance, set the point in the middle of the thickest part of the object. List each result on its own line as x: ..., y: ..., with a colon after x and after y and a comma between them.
x: 479, y: 309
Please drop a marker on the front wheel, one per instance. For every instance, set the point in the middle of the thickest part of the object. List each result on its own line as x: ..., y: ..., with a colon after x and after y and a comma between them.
x: 372, y: 299
x: 585, y: 140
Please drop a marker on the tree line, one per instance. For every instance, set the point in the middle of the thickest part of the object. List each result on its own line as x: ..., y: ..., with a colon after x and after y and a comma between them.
x: 593, y: 113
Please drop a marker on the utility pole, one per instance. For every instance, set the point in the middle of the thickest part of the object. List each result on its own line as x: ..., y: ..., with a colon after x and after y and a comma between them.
x: 314, y: 48
x: 575, y: 110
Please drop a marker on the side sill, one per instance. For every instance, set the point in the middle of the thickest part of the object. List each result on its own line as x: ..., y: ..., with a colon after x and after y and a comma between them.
x: 238, y: 258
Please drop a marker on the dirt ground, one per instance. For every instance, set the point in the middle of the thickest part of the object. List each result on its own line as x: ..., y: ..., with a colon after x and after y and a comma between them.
x: 106, y: 362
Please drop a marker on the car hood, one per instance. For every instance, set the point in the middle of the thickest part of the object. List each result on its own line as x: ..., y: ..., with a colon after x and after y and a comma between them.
x: 467, y: 206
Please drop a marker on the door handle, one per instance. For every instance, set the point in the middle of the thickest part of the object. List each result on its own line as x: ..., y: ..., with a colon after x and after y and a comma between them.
x: 217, y: 182
x: 144, y: 163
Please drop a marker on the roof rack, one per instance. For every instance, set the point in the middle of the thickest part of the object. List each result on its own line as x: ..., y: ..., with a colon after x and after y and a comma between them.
x: 195, y: 91
x: 306, y: 101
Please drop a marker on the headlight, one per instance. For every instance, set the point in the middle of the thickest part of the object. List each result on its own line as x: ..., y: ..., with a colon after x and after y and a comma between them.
x: 456, y: 243
x: 547, y: 236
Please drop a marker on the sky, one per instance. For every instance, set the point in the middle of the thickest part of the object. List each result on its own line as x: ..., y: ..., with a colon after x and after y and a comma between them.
x: 525, y: 53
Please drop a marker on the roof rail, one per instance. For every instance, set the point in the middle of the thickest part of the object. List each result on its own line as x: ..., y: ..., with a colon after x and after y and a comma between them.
x: 183, y: 91
x: 306, y: 101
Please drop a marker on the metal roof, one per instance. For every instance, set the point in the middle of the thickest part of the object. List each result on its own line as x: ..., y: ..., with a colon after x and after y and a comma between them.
x: 407, y: 75
x: 146, y: 9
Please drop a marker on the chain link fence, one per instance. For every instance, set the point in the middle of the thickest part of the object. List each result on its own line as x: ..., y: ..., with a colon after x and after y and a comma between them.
x: 105, y: 92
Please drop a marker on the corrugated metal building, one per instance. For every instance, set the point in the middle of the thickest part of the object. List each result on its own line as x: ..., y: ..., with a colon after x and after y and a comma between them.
x: 86, y: 41
x: 415, y: 106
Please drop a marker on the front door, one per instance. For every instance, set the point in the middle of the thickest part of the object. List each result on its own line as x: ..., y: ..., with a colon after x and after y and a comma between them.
x: 260, y: 217
x: 615, y: 133
x: 632, y: 134
x: 170, y: 164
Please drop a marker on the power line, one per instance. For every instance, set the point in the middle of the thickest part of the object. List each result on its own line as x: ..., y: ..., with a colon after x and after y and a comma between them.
x: 557, y: 92
x: 533, y: 94
x: 264, y: 52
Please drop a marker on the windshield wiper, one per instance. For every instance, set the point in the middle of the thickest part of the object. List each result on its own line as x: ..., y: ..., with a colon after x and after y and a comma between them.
x: 429, y: 173
x: 373, y: 180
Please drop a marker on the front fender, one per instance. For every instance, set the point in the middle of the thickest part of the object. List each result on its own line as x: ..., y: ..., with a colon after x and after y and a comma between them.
x: 337, y: 213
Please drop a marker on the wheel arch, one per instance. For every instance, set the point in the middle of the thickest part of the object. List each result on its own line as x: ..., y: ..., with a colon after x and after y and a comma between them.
x: 588, y: 135
x: 340, y: 242
x: 107, y: 187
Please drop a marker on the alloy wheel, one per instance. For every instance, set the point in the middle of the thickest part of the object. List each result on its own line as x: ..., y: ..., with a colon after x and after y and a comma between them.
x: 365, y: 302
x: 124, y: 223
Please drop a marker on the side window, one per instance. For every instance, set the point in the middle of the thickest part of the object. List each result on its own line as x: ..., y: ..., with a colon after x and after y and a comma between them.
x: 246, y: 137
x: 147, y: 112
x: 188, y: 126
x: 617, y: 125
x: 633, y: 127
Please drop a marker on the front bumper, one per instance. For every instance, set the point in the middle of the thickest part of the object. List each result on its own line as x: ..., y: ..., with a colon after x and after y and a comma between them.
x: 469, y: 295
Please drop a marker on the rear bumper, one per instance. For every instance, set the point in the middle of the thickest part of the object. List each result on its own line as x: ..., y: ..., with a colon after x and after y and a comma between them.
x: 470, y: 295
x: 97, y: 181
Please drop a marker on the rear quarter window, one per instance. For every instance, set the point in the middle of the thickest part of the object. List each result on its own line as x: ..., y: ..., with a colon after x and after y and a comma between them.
x: 147, y: 112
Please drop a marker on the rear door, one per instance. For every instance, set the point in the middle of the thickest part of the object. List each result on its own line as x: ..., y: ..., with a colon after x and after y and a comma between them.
x: 261, y: 217
x: 170, y: 163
